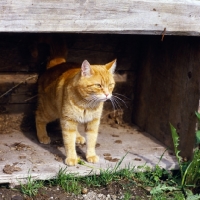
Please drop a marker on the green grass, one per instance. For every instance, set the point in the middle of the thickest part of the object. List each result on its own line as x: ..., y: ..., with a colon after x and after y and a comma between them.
x: 31, y: 186
x: 164, y: 184
x: 127, y: 195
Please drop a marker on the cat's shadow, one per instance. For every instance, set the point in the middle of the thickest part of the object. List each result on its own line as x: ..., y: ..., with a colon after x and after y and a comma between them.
x: 56, y: 147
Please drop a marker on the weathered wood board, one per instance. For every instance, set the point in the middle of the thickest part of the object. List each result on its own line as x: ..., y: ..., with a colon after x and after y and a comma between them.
x: 42, y: 162
x: 17, y: 88
x: 179, y: 17
x: 168, y: 90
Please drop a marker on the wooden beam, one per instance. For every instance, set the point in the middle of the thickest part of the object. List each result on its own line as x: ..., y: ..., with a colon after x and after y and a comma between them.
x: 179, y: 17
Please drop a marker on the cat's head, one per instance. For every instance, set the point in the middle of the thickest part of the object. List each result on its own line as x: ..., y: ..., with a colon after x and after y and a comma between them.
x: 96, y: 82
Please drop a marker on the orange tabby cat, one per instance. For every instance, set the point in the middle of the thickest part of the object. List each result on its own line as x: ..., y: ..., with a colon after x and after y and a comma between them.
x: 74, y: 94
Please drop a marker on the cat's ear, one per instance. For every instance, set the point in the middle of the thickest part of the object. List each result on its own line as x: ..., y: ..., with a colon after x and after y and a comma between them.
x: 86, y: 68
x: 111, y: 66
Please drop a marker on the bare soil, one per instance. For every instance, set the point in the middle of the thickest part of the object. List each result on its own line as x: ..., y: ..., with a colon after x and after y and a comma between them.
x: 113, y: 191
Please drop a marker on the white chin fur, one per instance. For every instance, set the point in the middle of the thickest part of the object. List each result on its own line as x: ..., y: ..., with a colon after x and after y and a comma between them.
x: 104, y: 98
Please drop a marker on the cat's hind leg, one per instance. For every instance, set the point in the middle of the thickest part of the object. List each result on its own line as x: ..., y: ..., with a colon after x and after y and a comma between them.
x: 41, y: 130
x: 79, y: 138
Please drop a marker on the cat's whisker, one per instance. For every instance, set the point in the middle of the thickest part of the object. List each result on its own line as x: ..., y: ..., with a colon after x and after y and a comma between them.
x: 120, y: 99
x: 87, y: 101
x: 92, y: 101
x: 83, y: 102
x: 113, y: 104
x: 116, y: 103
x: 122, y: 95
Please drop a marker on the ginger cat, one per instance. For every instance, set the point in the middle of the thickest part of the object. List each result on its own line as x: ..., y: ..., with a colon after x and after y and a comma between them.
x: 74, y: 94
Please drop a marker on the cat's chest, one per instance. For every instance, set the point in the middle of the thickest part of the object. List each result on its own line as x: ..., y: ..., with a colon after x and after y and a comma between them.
x: 88, y: 115
x: 79, y: 114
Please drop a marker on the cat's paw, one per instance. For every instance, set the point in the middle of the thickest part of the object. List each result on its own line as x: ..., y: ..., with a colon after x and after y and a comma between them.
x: 71, y: 161
x: 80, y: 140
x: 93, y: 159
x: 44, y: 140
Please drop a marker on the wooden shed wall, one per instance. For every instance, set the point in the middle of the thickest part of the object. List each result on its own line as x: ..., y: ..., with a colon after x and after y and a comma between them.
x: 168, y: 90
x: 161, y: 79
x: 24, y: 57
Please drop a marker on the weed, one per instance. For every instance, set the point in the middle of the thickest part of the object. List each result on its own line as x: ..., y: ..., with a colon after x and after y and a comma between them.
x: 164, y: 184
x: 31, y: 187
x: 68, y: 181
x: 107, y: 176
x: 127, y: 195
x: 190, y: 173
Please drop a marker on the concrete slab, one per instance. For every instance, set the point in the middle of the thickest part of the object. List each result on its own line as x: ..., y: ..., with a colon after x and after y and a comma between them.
x: 21, y: 155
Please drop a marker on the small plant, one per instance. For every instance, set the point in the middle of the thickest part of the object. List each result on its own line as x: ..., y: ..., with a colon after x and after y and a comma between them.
x: 190, y: 172
x: 68, y: 181
x: 127, y: 195
x: 106, y: 176
x: 31, y: 187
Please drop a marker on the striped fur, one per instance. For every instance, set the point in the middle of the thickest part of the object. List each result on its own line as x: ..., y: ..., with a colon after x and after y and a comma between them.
x: 74, y: 94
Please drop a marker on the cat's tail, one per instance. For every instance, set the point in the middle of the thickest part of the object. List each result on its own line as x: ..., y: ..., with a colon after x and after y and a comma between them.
x: 55, y: 61
x: 58, y: 51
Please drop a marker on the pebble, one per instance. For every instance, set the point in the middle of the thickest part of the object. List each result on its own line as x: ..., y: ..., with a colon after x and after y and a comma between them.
x: 84, y: 191
x: 108, y: 197
x: 113, y: 197
x: 17, y: 197
x: 94, y: 196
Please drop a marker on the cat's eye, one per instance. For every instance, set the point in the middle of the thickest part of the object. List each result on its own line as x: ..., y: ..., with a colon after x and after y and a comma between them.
x: 98, y: 85
x: 111, y: 85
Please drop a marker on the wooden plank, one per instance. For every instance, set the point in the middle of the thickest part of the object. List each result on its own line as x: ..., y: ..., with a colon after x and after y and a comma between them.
x: 179, y: 17
x: 168, y: 90
x: 17, y: 88
x: 22, y: 88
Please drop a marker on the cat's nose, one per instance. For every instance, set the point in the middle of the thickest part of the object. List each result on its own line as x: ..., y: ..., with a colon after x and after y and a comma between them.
x: 107, y: 95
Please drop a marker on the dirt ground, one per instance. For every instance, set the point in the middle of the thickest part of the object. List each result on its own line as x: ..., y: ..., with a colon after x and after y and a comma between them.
x: 113, y: 191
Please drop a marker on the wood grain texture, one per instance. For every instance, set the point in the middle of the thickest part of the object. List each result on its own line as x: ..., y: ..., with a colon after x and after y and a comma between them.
x: 179, y: 17
x: 17, y: 88
x: 168, y: 91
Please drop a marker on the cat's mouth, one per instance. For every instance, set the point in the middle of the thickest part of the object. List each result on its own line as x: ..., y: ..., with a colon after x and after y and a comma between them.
x: 105, y: 99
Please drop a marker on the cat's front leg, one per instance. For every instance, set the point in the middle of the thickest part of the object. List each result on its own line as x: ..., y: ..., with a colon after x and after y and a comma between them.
x: 92, y: 133
x: 69, y: 130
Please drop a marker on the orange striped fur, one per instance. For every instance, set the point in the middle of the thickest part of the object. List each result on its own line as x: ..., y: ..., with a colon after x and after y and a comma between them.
x: 74, y: 94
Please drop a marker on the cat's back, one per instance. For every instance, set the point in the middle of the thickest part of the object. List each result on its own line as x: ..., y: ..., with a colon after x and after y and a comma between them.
x: 52, y: 74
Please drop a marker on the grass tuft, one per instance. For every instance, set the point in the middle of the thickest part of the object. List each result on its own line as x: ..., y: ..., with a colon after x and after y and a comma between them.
x: 31, y: 187
x: 68, y: 181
